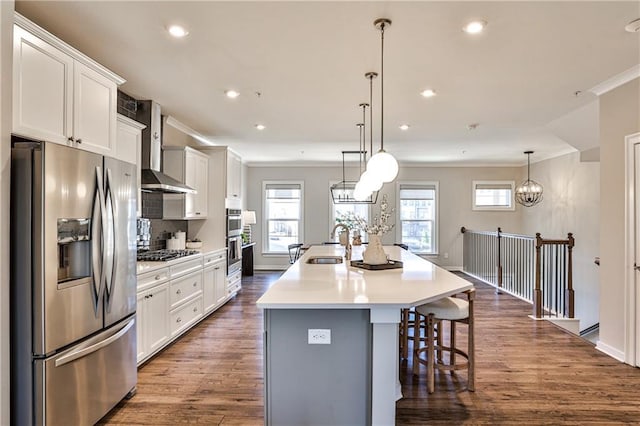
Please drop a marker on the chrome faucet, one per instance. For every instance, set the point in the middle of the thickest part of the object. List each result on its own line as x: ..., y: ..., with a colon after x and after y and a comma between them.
x: 347, y: 247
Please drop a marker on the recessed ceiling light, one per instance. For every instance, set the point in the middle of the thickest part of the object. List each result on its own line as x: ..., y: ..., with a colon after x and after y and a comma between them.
x: 232, y: 94
x: 177, y: 31
x: 474, y: 27
x: 428, y: 93
x: 404, y: 127
x: 260, y: 126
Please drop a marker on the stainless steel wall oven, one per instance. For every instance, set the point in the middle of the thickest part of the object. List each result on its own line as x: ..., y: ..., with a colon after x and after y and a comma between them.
x: 234, y: 240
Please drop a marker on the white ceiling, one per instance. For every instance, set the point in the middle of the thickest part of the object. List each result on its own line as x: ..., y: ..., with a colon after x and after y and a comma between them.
x: 307, y: 60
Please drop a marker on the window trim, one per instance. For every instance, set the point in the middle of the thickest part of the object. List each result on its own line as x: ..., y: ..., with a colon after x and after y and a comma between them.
x: 265, y: 220
x: 427, y: 184
x: 510, y: 183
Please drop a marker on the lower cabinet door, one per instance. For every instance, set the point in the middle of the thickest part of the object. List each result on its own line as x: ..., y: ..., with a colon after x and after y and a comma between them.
x: 157, y: 329
x: 141, y: 351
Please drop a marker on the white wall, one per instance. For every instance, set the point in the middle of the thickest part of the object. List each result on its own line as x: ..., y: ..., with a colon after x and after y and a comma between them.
x: 454, y: 210
x: 619, y: 117
x: 6, y: 41
x: 571, y: 204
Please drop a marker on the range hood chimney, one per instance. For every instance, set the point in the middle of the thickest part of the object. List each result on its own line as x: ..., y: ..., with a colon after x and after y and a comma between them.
x: 153, y: 180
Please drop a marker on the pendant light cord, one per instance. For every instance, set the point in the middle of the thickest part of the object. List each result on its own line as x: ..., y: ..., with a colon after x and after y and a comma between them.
x: 371, y: 115
x: 382, y: 86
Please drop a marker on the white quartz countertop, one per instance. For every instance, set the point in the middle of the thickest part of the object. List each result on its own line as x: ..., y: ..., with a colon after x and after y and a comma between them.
x: 341, y: 286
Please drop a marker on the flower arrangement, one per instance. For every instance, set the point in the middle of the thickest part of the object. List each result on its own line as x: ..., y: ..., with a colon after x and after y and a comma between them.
x: 379, y: 226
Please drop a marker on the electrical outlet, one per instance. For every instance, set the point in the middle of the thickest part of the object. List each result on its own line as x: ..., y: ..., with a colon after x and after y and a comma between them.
x: 319, y: 336
x: 446, y: 255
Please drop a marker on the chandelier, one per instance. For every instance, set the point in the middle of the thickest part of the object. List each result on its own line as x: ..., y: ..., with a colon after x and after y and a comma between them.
x: 529, y: 192
x: 348, y: 192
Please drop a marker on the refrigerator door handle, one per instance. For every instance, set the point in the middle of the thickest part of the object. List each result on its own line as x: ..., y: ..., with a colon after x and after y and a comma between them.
x: 97, y: 221
x: 84, y: 351
x: 110, y: 249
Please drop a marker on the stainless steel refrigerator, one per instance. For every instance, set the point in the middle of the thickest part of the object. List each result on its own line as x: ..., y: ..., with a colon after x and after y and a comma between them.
x: 73, y: 284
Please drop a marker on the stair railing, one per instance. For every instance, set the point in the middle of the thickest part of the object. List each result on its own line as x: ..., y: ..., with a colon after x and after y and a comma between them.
x: 536, y: 270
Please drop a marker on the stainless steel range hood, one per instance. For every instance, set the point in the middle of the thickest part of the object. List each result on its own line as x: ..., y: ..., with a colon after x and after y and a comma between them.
x: 153, y: 180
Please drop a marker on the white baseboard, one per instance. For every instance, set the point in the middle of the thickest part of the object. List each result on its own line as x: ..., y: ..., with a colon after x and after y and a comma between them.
x: 453, y: 268
x: 270, y: 267
x: 610, y: 350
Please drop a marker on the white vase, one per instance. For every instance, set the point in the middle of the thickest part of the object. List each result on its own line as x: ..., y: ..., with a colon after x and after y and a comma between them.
x: 374, y: 254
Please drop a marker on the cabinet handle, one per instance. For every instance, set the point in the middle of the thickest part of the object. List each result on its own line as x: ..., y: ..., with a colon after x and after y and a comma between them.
x: 217, y: 268
x: 157, y: 277
x: 151, y: 295
x: 195, y: 309
x: 78, y: 140
x: 179, y: 319
x: 178, y: 291
x: 197, y: 213
x: 155, y: 135
x: 70, y: 138
x: 195, y: 283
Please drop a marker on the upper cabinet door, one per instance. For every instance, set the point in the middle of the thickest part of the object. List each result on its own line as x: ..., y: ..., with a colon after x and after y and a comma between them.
x: 94, y: 111
x: 42, y: 89
x: 234, y: 175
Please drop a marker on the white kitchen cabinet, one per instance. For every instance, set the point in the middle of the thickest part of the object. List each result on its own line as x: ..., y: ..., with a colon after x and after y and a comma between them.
x: 234, y: 175
x: 153, y: 329
x: 214, y: 280
x: 129, y: 148
x: 59, y: 94
x: 190, y: 167
x: 234, y: 284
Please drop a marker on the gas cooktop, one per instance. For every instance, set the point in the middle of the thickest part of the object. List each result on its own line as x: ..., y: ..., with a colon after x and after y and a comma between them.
x: 163, y: 255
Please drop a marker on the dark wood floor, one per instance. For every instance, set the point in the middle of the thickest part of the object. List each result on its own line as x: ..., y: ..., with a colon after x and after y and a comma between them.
x: 528, y: 372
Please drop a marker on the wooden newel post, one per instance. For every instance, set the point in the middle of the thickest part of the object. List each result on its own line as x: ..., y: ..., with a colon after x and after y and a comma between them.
x: 537, y: 292
x: 499, y: 264
x: 569, y: 296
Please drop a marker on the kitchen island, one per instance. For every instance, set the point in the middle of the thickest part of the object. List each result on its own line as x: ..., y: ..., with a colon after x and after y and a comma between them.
x: 331, y: 336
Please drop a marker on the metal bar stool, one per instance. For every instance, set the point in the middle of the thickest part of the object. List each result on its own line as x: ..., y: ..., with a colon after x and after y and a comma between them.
x: 455, y: 310
x: 294, y: 252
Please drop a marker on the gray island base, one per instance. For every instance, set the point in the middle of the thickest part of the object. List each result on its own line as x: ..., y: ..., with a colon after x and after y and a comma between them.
x: 331, y: 337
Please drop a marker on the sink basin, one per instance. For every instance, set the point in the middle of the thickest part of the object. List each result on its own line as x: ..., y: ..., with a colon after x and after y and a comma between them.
x: 324, y: 260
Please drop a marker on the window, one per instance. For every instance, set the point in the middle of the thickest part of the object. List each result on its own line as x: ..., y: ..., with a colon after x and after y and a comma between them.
x: 342, y: 210
x: 417, y: 214
x: 493, y: 195
x: 283, y: 225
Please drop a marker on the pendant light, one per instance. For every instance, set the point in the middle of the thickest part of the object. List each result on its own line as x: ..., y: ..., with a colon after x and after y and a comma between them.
x: 350, y: 192
x: 383, y: 165
x: 529, y: 192
x: 369, y: 180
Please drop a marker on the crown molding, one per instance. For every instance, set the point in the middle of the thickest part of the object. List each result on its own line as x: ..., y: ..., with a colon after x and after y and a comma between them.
x: 59, y: 44
x: 616, y: 81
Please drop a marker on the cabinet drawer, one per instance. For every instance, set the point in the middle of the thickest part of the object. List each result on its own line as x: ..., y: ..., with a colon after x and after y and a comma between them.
x: 186, y: 267
x: 211, y: 258
x: 150, y: 279
x: 184, y: 288
x: 182, y: 318
x: 234, y: 282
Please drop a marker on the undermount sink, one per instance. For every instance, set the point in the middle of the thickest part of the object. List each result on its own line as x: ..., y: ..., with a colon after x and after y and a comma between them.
x: 324, y: 260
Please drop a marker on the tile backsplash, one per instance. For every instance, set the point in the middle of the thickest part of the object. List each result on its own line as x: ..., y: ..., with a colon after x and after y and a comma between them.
x: 162, y: 230
x: 152, y: 205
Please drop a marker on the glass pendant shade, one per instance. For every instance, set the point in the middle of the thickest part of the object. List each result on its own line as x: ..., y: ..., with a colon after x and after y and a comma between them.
x: 529, y: 192
x: 370, y: 181
x: 360, y: 193
x: 384, y: 166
